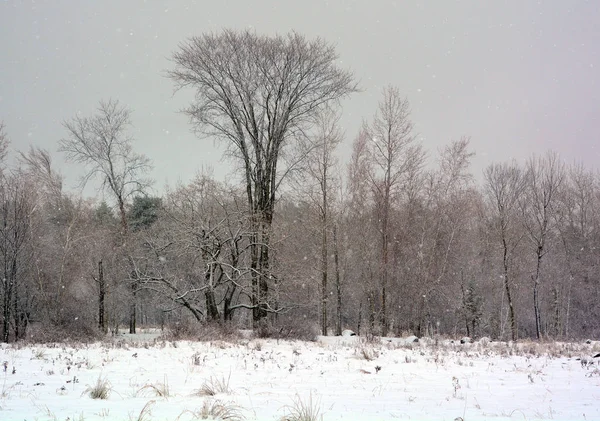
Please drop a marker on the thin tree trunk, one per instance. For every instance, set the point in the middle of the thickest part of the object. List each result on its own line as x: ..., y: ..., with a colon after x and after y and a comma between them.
x: 255, y: 276
x: 6, y: 309
x: 359, y: 324
x: 511, y: 309
x: 133, y: 305
x: 324, y: 273
x: 384, y: 277
x: 16, y: 313
x: 371, y: 299
x: 101, y: 299
x: 263, y: 284
x: 536, y: 303
x: 338, y: 283
x: 556, y: 296
x: 568, y: 307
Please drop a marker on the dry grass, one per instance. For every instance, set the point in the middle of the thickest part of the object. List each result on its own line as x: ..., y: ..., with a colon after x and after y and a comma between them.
x: 160, y: 389
x: 214, y: 386
x: 216, y: 410
x: 309, y: 410
x: 367, y: 353
x: 146, y: 411
x: 101, y: 390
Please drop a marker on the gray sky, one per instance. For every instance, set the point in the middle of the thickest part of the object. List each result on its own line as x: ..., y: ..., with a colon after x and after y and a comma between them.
x: 517, y: 76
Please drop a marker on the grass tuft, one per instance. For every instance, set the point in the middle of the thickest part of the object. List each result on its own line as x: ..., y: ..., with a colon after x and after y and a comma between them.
x: 216, y: 410
x: 214, y: 386
x: 159, y: 389
x: 101, y: 390
x: 300, y: 410
x: 146, y: 411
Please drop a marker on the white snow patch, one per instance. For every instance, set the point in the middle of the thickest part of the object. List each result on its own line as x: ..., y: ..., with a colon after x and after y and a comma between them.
x: 431, y: 379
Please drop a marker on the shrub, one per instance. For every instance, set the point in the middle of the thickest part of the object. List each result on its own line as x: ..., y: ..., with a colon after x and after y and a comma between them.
x: 76, y: 330
x: 301, y: 331
x: 193, y: 330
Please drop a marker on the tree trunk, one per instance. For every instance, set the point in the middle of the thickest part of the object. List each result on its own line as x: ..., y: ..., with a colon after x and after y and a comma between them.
x: 536, y: 302
x: 384, y: 277
x: 16, y: 313
x: 255, y: 277
x: 556, y: 297
x: 133, y: 309
x: 6, y: 310
x: 101, y: 299
x: 511, y: 309
x: 338, y: 283
x: 212, y: 311
x: 371, y: 299
x: 359, y: 323
x: 264, y: 269
x: 227, y: 300
x: 324, y: 274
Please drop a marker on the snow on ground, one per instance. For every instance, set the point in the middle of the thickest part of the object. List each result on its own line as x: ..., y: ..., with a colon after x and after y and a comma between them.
x: 346, y: 378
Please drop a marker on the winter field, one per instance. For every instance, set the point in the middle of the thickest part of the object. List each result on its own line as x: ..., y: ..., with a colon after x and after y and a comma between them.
x: 143, y: 378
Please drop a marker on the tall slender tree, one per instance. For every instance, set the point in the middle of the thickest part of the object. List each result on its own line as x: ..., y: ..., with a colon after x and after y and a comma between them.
x: 544, y: 178
x: 318, y: 179
x: 393, y: 152
x: 504, y: 184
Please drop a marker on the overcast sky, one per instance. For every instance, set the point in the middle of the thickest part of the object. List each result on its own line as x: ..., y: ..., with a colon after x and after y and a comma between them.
x: 519, y: 77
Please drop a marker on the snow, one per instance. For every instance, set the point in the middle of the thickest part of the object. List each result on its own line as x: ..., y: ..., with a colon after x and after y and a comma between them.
x: 431, y: 379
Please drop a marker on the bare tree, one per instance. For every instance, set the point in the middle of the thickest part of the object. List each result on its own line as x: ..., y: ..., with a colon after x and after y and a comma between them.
x: 575, y: 221
x: 360, y: 230
x: 317, y: 184
x: 17, y: 204
x: 102, y: 144
x: 258, y: 93
x: 544, y: 177
x: 504, y: 184
x: 447, y: 206
x: 193, y: 255
x: 393, y: 153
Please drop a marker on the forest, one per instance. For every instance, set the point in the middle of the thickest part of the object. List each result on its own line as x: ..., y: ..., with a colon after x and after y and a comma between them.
x: 397, y: 240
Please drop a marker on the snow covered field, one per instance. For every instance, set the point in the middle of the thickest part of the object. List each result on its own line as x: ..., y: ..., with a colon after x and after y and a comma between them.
x: 344, y: 378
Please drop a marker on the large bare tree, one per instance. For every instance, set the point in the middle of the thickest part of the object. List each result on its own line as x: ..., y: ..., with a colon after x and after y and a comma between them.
x: 257, y: 93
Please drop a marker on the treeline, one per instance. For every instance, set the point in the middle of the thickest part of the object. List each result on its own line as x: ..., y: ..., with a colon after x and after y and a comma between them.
x: 395, y: 241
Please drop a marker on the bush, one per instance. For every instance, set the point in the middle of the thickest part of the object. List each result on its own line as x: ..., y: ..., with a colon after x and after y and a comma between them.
x: 204, y: 332
x: 77, y: 330
x: 288, y: 330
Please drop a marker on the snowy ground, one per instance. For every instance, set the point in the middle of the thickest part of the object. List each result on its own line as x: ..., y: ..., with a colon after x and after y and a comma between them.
x: 344, y: 378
